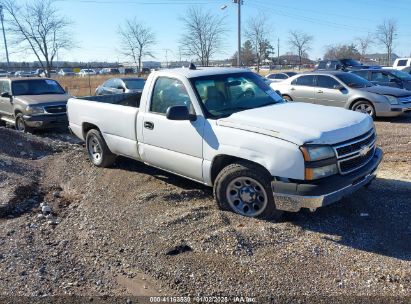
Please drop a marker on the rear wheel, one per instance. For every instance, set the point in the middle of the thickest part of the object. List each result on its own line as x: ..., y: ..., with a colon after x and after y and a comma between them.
x: 98, y: 151
x: 245, y: 188
x: 365, y: 107
x: 288, y: 98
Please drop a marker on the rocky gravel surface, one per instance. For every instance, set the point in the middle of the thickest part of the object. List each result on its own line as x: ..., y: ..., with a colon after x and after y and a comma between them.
x: 68, y: 228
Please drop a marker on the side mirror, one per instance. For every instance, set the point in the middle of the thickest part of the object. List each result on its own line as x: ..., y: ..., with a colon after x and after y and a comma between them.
x: 179, y: 113
x: 5, y: 95
x: 338, y: 87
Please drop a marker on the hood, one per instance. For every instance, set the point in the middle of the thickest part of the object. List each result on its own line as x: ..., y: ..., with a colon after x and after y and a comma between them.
x: 301, y: 123
x: 40, y: 99
x: 384, y: 90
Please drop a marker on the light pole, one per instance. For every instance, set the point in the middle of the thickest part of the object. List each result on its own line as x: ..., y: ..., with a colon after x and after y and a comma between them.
x: 239, y: 3
x: 4, y: 35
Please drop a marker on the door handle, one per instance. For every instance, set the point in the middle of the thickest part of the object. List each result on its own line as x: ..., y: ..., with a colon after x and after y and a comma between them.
x: 320, y: 91
x: 149, y: 125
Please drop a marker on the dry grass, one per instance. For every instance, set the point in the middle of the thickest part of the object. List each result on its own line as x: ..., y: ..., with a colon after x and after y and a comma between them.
x: 83, y: 86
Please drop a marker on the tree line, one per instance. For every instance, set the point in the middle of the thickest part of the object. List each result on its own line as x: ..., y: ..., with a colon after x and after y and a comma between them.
x: 38, y: 26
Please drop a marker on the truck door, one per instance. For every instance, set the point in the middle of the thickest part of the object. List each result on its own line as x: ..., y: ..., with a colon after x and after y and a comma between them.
x: 6, y: 105
x: 172, y: 145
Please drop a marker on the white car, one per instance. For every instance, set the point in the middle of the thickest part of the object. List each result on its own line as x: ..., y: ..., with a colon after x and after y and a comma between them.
x: 87, y: 72
x: 226, y: 128
x: 402, y: 64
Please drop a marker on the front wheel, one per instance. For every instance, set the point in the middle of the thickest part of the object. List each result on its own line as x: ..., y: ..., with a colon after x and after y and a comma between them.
x: 20, y: 124
x: 98, y: 151
x: 245, y: 188
x: 365, y: 107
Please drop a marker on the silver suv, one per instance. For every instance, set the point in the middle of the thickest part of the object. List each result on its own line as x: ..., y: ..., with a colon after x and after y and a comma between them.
x: 342, y: 89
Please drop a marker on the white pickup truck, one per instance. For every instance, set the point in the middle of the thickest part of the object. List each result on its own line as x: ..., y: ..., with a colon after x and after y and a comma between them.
x: 226, y: 128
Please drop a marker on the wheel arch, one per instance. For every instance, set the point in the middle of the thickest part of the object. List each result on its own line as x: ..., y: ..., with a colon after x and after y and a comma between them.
x: 351, y: 103
x: 223, y: 160
x: 87, y: 127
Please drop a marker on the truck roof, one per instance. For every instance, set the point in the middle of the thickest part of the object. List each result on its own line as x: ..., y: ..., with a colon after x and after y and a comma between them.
x: 204, y: 71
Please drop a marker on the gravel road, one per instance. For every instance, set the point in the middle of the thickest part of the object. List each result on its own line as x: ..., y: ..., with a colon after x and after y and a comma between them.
x: 132, y: 230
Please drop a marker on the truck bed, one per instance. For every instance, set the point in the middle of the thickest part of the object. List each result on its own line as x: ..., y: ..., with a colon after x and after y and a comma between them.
x: 114, y: 115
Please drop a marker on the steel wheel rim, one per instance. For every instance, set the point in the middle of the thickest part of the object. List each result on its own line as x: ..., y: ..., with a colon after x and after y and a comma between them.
x: 247, y: 196
x: 94, y: 149
x: 21, y: 127
x: 364, y: 108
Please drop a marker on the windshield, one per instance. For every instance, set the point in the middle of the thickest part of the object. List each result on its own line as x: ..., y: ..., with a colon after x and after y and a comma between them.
x: 401, y: 75
x: 36, y: 87
x: 351, y: 62
x: 134, y: 84
x: 223, y: 95
x: 354, y: 81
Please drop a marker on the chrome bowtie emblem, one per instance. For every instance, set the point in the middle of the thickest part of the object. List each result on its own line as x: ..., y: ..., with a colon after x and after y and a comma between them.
x: 364, y: 150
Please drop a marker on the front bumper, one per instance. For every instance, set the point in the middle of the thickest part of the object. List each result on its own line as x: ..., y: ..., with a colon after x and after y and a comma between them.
x: 46, y: 121
x: 294, y: 196
x: 386, y: 110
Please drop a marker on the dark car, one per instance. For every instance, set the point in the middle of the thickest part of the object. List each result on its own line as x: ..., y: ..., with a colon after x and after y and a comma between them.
x: 387, y: 77
x: 341, y: 64
x: 121, y: 85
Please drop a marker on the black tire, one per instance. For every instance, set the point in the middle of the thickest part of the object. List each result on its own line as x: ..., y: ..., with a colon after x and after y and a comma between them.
x: 233, y: 174
x: 288, y: 98
x: 20, y: 125
x: 97, y: 150
x: 2, y: 123
x: 366, y: 105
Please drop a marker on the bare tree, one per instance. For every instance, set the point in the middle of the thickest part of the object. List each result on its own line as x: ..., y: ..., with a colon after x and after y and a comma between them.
x: 203, y: 34
x: 257, y: 33
x: 38, y: 26
x: 386, y: 34
x: 301, y: 42
x: 363, y: 44
x: 136, y: 40
x: 342, y: 51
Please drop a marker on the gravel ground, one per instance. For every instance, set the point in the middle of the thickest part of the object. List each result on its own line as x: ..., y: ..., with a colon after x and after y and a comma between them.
x: 132, y: 230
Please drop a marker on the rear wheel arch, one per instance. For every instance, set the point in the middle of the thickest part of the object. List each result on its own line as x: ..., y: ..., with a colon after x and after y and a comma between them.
x: 87, y: 127
x: 287, y: 97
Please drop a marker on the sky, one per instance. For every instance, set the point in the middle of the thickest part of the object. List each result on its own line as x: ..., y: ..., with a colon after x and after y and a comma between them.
x: 95, y: 24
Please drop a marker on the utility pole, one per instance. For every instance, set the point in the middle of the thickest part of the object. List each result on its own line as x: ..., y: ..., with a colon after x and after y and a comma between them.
x: 239, y: 3
x: 278, y: 51
x: 4, y: 35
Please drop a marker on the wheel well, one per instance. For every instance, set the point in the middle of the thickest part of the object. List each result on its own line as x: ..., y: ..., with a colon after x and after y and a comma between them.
x: 17, y: 112
x: 359, y: 99
x: 87, y: 127
x: 283, y: 95
x: 222, y: 161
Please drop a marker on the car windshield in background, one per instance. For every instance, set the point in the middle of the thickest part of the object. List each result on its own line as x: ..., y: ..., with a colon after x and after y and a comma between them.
x: 223, y: 95
x: 351, y: 62
x: 134, y: 84
x: 36, y: 87
x: 354, y: 81
x: 401, y: 75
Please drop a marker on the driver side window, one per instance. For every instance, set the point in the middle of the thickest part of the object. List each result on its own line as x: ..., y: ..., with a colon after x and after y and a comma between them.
x: 168, y: 92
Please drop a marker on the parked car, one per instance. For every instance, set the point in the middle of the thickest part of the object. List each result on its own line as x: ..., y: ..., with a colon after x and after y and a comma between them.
x: 52, y: 73
x: 33, y: 103
x: 23, y: 74
x: 66, y: 72
x: 3, y: 73
x: 387, y: 77
x: 341, y: 64
x: 121, y: 85
x: 109, y: 71
x: 347, y: 90
x: 87, y: 72
x: 37, y: 72
x: 261, y: 154
x: 402, y: 64
x: 11, y: 74
x: 275, y: 77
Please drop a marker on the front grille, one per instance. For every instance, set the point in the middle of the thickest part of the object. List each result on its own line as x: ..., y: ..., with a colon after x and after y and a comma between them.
x: 356, y: 153
x: 56, y: 109
x: 356, y: 162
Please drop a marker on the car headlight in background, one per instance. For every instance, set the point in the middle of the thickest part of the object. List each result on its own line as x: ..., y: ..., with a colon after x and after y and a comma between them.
x: 391, y: 99
x: 35, y: 110
x: 320, y: 161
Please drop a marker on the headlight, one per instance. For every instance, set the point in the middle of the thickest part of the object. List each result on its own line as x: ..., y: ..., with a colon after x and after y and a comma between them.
x: 320, y: 172
x: 34, y: 110
x: 314, y: 153
x: 391, y: 99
